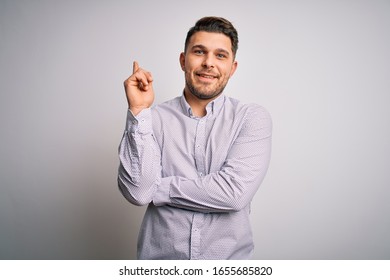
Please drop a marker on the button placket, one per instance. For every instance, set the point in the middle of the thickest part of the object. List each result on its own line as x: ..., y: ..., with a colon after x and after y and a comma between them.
x: 200, y: 147
x: 195, y: 236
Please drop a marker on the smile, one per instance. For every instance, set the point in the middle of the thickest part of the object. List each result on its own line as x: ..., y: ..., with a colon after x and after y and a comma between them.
x: 206, y: 76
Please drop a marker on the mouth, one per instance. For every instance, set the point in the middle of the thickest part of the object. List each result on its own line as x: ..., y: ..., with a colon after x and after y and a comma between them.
x: 207, y: 76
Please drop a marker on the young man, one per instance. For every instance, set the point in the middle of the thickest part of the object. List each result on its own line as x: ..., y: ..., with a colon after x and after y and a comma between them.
x: 196, y: 160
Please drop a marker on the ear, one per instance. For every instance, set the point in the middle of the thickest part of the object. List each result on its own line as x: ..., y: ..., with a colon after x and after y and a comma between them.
x: 182, y: 60
x: 234, y: 67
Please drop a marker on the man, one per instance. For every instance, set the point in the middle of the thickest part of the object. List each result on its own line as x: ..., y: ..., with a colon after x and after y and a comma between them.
x: 196, y: 160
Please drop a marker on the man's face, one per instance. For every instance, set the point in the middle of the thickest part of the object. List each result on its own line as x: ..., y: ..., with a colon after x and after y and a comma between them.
x: 208, y: 63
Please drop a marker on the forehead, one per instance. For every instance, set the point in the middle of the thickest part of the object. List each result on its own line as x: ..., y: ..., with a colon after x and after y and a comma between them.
x: 211, y: 40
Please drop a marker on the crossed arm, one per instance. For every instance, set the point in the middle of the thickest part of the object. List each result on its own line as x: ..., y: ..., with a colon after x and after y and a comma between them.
x: 229, y: 189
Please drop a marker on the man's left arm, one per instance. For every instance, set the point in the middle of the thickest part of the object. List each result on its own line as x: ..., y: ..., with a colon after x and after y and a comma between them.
x: 234, y: 185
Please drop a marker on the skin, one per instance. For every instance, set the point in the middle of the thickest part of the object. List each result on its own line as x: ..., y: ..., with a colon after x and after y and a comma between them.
x: 139, y: 89
x: 208, y: 63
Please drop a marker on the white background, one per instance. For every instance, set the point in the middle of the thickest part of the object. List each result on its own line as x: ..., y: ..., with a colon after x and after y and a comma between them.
x: 321, y: 68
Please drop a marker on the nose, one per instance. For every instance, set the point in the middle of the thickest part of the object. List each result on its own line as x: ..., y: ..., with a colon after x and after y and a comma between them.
x: 208, y: 61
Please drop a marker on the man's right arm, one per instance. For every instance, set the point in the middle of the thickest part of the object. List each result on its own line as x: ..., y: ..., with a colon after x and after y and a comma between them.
x: 139, y: 170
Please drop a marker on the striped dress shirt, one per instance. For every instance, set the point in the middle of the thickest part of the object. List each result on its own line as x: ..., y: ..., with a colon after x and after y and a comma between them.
x: 197, y: 176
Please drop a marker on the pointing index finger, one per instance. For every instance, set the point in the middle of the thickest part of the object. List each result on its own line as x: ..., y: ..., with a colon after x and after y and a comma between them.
x: 135, y: 66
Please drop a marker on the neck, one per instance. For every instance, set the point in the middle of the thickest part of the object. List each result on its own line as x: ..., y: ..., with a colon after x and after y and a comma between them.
x: 198, y: 106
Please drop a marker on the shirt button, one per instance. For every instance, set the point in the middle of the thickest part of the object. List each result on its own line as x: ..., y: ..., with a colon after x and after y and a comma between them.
x: 134, y: 122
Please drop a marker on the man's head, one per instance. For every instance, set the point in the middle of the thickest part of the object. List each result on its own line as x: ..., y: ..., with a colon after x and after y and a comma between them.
x: 215, y: 25
x: 208, y: 60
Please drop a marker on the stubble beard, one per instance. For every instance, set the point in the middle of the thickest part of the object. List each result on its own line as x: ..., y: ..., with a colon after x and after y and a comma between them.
x: 204, y: 94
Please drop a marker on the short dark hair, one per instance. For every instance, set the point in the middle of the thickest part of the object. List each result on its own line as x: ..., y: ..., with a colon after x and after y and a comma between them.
x: 216, y: 25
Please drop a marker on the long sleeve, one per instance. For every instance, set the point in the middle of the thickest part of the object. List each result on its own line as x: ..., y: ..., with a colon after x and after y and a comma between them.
x: 139, y: 168
x: 197, y: 175
x: 233, y: 186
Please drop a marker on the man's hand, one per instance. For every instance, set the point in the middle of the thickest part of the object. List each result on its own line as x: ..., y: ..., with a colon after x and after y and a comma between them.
x: 139, y: 89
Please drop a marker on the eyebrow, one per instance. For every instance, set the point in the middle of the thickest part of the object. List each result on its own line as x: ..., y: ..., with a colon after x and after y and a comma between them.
x: 220, y: 50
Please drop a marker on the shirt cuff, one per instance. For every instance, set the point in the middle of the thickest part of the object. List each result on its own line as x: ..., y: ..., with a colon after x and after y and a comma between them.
x: 162, y: 194
x: 142, y: 123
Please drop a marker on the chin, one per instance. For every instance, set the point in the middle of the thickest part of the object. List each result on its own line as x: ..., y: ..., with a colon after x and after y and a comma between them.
x: 206, y: 96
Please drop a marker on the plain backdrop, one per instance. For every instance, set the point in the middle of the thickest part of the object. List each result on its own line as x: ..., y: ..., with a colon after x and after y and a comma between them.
x: 321, y: 68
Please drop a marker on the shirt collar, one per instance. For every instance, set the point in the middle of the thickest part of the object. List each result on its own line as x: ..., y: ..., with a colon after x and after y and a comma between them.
x: 212, y: 108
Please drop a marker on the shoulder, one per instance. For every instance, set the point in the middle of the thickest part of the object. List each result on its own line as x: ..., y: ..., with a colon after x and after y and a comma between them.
x: 167, y: 109
x: 168, y: 105
x: 255, y: 120
x: 247, y: 110
x: 165, y: 112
